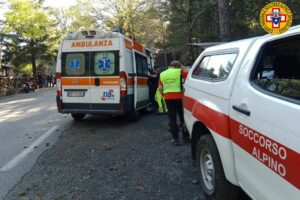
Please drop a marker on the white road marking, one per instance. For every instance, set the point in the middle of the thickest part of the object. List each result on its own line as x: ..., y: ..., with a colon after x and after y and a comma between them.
x: 15, y: 161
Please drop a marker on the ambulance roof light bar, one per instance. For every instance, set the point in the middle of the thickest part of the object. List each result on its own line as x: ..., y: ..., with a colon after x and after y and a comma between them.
x: 92, y: 32
x: 84, y: 33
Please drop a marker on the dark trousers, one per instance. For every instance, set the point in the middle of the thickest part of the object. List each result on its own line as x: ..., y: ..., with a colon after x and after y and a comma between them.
x: 175, y: 107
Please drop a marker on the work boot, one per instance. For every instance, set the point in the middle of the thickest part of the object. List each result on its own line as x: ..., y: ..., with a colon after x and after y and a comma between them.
x: 175, y: 142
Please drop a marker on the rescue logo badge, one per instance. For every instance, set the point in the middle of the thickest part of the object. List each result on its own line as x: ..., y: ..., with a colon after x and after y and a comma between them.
x: 108, y: 95
x: 276, y: 18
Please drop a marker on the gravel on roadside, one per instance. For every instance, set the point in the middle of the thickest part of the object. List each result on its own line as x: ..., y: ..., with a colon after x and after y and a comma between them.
x: 111, y: 158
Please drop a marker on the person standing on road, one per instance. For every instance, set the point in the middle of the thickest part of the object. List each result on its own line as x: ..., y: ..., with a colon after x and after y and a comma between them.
x: 49, y: 80
x: 159, y: 98
x: 170, y: 86
x: 153, y: 80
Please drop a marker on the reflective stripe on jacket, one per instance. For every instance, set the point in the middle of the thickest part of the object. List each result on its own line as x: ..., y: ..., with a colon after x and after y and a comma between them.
x: 171, y: 80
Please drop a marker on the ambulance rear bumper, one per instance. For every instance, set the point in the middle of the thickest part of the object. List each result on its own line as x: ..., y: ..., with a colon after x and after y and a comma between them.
x: 125, y: 106
x: 96, y: 112
x: 86, y: 108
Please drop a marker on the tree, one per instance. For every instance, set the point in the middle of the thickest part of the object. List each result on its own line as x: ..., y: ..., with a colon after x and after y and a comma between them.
x: 130, y: 15
x: 224, y: 19
x: 81, y: 16
x: 32, y: 24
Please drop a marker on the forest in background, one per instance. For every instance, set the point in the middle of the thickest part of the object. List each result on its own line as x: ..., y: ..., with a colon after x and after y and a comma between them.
x: 30, y: 32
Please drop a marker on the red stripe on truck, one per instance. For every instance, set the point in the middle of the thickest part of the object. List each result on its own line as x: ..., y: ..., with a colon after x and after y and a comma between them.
x: 279, y: 158
x: 282, y: 160
x: 214, y: 120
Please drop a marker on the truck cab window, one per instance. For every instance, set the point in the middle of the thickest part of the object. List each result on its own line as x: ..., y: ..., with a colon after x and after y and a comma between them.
x: 278, y: 70
x: 215, y: 67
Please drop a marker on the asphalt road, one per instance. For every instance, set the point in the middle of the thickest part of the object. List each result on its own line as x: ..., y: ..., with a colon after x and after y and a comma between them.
x: 47, y: 155
x: 29, y: 125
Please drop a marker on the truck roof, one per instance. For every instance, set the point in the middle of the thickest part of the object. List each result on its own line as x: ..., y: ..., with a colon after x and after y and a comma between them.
x: 246, y: 42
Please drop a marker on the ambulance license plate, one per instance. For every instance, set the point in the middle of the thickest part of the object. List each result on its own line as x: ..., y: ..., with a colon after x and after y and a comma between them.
x: 76, y: 94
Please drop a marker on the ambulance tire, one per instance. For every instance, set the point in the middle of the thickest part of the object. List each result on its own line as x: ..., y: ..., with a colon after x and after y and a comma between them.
x: 134, y: 116
x: 77, y: 116
x: 211, y: 173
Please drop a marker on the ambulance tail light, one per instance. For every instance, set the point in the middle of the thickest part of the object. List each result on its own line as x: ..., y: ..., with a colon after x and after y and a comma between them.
x: 123, y: 83
x: 58, y: 83
x: 58, y: 91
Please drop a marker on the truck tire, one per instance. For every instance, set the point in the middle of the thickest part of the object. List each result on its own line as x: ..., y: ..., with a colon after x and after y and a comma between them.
x: 77, y: 116
x: 211, y: 173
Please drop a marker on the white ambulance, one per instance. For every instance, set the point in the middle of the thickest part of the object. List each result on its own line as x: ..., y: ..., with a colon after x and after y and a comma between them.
x: 102, y: 73
x: 242, y: 110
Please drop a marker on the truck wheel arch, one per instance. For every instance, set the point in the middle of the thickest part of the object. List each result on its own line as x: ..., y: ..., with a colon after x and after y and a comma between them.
x: 199, y: 130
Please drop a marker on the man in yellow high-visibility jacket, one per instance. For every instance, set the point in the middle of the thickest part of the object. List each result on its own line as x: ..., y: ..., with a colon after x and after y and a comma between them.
x: 170, y: 85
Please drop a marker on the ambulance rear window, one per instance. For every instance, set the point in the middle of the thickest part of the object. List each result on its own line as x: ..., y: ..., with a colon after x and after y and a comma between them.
x: 104, y: 63
x: 74, y: 64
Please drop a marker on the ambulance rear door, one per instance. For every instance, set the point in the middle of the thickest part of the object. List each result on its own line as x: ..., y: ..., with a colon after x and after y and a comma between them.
x: 76, y: 94
x: 105, y: 80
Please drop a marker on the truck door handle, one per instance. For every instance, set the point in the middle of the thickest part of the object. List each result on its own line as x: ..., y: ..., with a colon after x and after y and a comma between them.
x: 241, y: 110
x: 97, y: 81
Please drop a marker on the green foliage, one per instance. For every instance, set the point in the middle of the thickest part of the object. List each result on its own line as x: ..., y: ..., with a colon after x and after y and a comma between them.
x: 27, y: 19
x: 34, y: 28
x: 25, y: 70
x: 81, y: 17
x: 166, y: 24
x: 198, y: 21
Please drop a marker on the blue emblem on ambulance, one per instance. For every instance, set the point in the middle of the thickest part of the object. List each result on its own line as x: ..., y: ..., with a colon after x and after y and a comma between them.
x: 104, y: 64
x: 75, y: 64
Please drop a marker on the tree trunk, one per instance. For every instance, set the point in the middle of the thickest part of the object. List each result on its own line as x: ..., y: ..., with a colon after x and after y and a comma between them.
x: 33, y: 62
x: 191, y: 28
x: 223, y: 8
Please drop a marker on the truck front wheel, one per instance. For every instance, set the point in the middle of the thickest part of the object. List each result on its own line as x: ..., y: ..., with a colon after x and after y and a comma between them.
x: 211, y: 173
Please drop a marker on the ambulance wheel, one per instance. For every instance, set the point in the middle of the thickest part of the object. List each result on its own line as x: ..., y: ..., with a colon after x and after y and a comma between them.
x: 77, y: 116
x: 134, y: 116
x: 211, y: 173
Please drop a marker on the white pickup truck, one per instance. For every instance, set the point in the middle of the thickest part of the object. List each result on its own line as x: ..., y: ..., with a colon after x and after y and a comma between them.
x: 242, y: 110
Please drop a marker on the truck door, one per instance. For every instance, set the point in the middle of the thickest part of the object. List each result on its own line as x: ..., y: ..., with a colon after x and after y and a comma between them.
x: 105, y: 80
x: 75, y: 80
x: 264, y: 112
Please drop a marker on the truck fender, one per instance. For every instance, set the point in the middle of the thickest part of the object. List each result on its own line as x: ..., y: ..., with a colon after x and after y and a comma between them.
x: 224, y: 146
